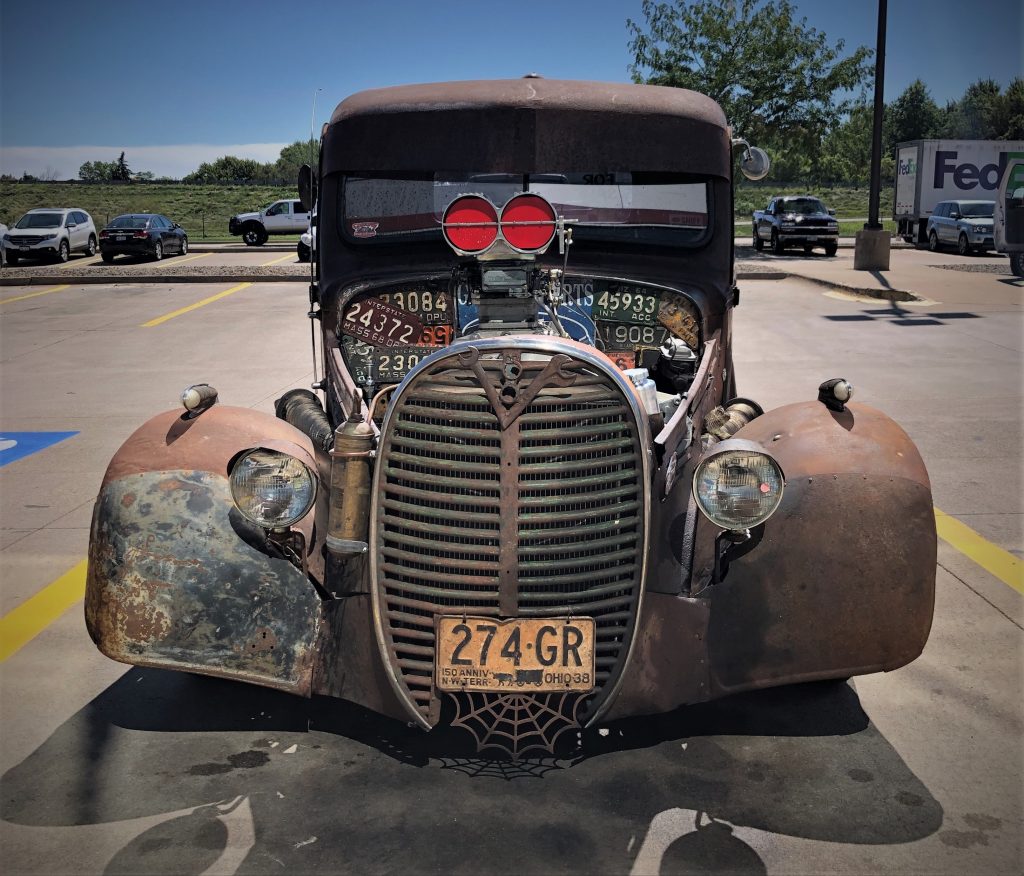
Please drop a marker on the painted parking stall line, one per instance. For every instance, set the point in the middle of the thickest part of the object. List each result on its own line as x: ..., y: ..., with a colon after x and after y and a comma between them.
x: 277, y: 261
x: 171, y: 263
x: 992, y: 558
x: 18, y: 445
x: 35, y: 294
x: 21, y: 625
x: 183, y: 310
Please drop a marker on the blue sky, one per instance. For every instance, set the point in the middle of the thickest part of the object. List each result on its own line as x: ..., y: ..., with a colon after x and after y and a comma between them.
x: 177, y: 83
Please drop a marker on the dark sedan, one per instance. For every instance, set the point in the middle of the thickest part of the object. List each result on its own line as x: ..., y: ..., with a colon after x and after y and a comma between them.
x: 142, y: 234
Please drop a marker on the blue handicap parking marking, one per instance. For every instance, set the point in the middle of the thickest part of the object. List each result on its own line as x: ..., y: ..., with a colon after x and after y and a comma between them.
x: 17, y: 445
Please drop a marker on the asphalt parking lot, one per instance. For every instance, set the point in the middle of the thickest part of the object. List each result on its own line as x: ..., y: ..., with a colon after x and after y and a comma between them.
x: 111, y: 769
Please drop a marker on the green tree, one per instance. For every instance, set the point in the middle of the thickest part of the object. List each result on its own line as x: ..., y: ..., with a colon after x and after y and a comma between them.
x: 121, y: 169
x: 293, y: 157
x: 97, y: 171
x: 983, y: 113
x: 911, y: 116
x: 230, y: 168
x: 780, y: 81
x: 1014, y: 97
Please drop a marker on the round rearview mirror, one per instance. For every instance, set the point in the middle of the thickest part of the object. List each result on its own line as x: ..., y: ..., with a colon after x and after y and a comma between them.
x: 754, y: 164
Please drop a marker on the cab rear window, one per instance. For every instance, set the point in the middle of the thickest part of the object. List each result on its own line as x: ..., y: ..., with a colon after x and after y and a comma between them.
x: 638, y: 207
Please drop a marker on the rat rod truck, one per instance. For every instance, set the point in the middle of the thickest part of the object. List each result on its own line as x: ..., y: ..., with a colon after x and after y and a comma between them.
x: 531, y: 498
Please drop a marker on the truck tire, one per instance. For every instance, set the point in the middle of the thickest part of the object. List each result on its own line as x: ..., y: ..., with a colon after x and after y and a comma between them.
x: 831, y: 249
x: 963, y: 245
x: 778, y: 247
x: 758, y: 243
x: 254, y: 234
x: 1016, y: 263
x: 933, y: 241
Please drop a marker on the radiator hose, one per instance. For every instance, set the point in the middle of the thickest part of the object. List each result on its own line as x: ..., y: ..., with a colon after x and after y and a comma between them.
x: 303, y: 410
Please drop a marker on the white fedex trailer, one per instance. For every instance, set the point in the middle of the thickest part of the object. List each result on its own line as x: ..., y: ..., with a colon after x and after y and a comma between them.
x: 930, y: 171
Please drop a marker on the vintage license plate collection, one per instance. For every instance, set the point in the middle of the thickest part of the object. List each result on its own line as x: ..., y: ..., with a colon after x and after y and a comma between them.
x: 521, y: 654
x: 386, y: 335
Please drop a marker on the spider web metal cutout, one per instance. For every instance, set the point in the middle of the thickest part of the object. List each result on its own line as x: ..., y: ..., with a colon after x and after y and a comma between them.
x: 516, y: 723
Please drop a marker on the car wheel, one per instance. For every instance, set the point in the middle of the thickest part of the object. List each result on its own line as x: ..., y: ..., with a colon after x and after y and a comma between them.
x: 963, y: 246
x: 831, y: 249
x: 254, y: 235
x: 302, y: 252
x: 63, y: 251
x: 1016, y: 263
x: 184, y: 246
x: 107, y: 257
x: 12, y: 259
x: 758, y: 243
x: 778, y: 247
x: 158, y: 251
x: 933, y: 241
x: 90, y: 250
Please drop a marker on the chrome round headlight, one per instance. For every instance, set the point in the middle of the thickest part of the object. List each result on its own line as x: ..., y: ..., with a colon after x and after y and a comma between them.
x: 738, y: 487
x: 272, y: 489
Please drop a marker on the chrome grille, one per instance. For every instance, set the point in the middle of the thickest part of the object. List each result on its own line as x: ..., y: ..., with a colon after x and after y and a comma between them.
x: 562, y: 525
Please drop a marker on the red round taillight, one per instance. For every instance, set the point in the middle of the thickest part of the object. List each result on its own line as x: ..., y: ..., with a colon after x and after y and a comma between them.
x: 470, y: 223
x: 528, y: 223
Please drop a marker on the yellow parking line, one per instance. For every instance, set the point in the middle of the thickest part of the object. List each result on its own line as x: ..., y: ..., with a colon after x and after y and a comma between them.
x: 278, y: 261
x: 77, y: 263
x: 35, y: 294
x: 993, y: 559
x: 165, y: 263
x: 196, y: 306
x: 28, y: 620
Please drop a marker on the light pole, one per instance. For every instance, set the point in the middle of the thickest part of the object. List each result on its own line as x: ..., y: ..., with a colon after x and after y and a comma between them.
x: 312, y: 123
x: 871, y: 252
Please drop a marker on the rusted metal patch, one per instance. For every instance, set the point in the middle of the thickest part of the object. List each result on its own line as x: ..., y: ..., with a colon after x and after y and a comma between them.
x: 177, y: 579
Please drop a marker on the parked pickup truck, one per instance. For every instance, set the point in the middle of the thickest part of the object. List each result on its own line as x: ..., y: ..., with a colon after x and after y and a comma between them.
x: 281, y: 217
x: 796, y: 220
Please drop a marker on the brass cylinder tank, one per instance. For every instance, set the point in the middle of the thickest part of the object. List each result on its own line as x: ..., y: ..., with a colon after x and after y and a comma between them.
x: 348, y: 516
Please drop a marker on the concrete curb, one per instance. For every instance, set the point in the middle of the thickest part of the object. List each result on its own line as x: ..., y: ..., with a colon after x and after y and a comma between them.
x: 126, y: 279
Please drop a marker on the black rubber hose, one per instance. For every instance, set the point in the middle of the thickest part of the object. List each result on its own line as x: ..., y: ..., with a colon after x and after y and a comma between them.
x: 303, y: 410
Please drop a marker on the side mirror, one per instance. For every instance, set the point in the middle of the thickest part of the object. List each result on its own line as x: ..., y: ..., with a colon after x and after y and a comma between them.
x: 831, y: 212
x: 307, y: 186
x: 755, y: 164
x: 954, y: 214
x: 71, y: 225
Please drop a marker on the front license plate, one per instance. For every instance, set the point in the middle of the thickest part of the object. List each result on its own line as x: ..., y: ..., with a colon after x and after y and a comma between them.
x: 24, y: 248
x: 522, y: 654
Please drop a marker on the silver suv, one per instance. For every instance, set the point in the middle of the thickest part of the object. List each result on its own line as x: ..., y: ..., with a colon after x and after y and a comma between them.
x: 50, y: 233
x: 967, y: 225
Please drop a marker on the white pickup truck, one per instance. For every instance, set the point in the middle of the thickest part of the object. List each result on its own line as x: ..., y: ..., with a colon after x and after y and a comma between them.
x: 289, y: 216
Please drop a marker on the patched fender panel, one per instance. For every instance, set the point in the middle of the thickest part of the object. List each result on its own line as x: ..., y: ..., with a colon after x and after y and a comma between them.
x: 177, y: 579
x: 842, y: 580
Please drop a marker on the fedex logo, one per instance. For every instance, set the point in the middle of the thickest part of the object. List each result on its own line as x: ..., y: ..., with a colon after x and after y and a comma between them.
x: 906, y: 167
x: 968, y: 176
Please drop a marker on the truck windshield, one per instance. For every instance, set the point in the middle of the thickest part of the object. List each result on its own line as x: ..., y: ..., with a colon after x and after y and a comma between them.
x: 979, y: 210
x: 638, y: 207
x: 803, y: 206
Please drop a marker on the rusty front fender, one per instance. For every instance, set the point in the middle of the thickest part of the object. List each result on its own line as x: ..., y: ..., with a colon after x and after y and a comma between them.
x: 842, y: 579
x: 177, y: 578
